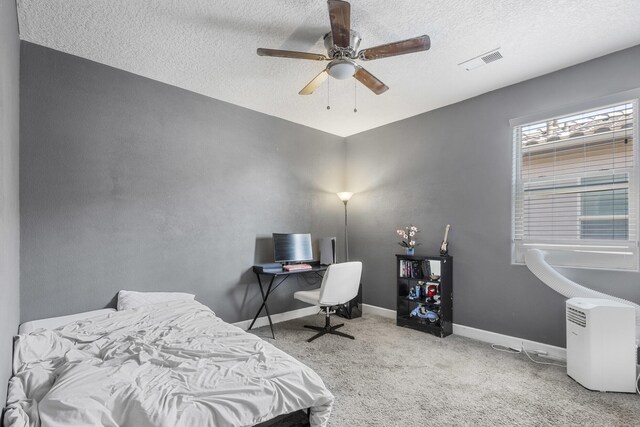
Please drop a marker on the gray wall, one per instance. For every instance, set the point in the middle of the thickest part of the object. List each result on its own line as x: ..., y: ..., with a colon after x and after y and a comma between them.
x: 128, y: 183
x: 9, y: 214
x: 453, y: 165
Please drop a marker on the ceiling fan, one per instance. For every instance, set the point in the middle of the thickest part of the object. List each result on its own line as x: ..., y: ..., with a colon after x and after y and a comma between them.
x: 342, y: 50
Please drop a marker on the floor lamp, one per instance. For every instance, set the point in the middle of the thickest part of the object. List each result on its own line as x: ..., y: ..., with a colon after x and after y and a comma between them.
x: 345, y: 196
x: 346, y: 310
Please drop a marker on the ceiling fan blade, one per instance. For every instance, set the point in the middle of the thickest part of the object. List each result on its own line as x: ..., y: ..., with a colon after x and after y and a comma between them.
x: 370, y: 81
x: 314, y: 84
x: 415, y: 44
x: 340, y: 17
x: 291, y: 54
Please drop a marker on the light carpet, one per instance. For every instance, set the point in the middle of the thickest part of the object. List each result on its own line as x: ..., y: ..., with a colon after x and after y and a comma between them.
x: 393, y: 376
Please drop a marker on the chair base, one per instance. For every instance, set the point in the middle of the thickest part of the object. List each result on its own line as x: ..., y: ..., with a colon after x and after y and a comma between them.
x: 327, y: 329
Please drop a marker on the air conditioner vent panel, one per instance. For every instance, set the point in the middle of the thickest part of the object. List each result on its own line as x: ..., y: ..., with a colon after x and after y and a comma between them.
x: 576, y: 316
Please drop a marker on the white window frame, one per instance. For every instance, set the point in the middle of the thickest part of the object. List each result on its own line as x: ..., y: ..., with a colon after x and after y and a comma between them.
x: 582, y: 253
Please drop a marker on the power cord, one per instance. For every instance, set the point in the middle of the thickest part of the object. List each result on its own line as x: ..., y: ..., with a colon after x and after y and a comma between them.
x: 540, y: 362
x: 506, y: 349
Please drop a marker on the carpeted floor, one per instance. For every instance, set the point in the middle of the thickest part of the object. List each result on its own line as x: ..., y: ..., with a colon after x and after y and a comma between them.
x: 392, y: 376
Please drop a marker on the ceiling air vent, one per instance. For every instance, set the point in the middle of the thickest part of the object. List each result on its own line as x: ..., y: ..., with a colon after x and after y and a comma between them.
x: 481, y: 60
x: 493, y: 56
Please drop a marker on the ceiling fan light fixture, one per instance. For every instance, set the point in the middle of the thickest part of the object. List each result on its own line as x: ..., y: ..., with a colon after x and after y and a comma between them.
x: 341, y: 69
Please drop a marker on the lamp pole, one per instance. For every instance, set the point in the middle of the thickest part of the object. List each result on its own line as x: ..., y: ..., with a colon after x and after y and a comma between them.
x: 345, y: 196
x: 346, y: 231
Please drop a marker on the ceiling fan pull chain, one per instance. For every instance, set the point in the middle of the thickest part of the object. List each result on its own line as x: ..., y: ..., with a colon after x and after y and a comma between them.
x: 328, y: 99
x: 355, y: 96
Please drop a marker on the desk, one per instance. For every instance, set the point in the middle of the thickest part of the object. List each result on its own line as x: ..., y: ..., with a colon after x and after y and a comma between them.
x: 284, y: 275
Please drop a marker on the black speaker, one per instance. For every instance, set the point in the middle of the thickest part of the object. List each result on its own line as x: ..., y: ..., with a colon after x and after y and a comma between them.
x: 352, y: 309
x: 328, y: 250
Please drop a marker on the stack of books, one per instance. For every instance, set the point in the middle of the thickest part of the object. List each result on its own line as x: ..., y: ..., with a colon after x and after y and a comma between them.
x: 297, y: 267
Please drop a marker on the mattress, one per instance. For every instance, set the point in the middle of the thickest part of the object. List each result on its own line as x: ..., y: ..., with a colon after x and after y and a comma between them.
x: 167, y: 364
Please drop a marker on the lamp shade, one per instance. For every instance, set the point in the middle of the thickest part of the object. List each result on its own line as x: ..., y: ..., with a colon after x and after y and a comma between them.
x: 345, y: 196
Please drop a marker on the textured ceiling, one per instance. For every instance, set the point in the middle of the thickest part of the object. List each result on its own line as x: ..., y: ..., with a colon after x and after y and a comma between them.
x: 209, y: 47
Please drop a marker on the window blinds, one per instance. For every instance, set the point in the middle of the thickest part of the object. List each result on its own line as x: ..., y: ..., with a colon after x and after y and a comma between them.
x: 575, y: 188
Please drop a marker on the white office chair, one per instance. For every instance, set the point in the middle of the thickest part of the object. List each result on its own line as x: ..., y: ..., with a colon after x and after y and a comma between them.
x: 339, y: 285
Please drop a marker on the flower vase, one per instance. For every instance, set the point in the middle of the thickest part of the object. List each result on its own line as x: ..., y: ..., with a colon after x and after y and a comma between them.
x: 410, y: 251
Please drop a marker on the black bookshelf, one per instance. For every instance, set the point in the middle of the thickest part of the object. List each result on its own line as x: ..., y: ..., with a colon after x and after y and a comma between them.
x: 416, y: 309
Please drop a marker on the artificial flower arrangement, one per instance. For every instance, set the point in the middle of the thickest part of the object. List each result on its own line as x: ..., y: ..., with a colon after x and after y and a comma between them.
x: 408, y: 235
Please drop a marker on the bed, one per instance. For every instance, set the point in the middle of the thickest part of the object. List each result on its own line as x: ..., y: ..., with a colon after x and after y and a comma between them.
x: 168, y: 364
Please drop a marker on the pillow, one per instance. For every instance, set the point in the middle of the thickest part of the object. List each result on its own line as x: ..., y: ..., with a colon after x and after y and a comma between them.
x: 132, y: 299
x: 56, y: 322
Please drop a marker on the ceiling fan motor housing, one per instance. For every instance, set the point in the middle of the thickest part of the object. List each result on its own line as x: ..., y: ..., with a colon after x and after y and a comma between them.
x: 336, y: 52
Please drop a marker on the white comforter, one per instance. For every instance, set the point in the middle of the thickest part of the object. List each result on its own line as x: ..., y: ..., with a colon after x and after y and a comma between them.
x: 169, y: 364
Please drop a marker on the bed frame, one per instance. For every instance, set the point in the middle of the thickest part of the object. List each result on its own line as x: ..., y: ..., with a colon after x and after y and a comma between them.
x: 295, y: 419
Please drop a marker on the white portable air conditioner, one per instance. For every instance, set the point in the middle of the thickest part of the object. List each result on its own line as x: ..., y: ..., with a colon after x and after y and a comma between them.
x: 601, y: 338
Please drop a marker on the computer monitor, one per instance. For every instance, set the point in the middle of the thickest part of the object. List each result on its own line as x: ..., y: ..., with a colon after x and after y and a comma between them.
x: 292, y: 247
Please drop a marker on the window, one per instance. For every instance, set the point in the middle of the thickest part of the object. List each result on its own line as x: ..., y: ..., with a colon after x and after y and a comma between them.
x: 575, y: 190
x: 605, y: 213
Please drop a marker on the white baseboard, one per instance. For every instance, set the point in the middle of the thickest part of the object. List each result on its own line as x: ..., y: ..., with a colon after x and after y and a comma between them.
x: 482, y: 335
x: 461, y: 330
x: 509, y: 341
x: 309, y: 311
x: 384, y: 312
x: 280, y: 317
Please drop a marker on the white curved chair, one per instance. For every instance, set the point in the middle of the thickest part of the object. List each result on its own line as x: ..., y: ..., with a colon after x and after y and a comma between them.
x: 339, y: 286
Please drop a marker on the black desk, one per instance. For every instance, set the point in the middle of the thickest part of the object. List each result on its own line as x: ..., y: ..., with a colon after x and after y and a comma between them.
x: 317, y: 269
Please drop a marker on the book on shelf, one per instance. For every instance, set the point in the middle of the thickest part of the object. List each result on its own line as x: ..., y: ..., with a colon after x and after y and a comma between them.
x: 411, y: 269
